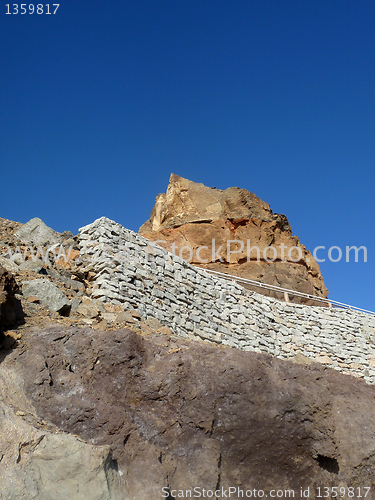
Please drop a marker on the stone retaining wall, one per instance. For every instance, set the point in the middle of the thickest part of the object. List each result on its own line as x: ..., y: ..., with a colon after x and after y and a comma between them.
x: 128, y: 269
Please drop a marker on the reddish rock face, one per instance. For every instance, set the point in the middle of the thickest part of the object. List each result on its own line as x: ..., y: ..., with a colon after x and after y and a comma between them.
x: 183, y: 414
x: 208, y: 222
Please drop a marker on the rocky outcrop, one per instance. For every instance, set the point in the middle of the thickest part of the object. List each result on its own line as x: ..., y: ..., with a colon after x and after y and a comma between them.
x: 191, y: 216
x: 10, y: 307
x: 179, y: 414
x: 103, y: 414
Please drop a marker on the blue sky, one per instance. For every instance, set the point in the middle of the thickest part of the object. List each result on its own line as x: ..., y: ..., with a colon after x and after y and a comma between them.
x: 100, y: 102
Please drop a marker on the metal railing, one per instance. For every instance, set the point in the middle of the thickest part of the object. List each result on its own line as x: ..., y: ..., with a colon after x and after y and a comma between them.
x: 285, y: 291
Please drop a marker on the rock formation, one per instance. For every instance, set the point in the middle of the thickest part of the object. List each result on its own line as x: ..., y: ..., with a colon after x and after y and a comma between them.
x: 194, y: 216
x: 113, y: 396
x: 180, y: 414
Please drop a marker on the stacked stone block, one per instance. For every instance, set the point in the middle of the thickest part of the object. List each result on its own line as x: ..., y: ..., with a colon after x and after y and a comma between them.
x: 127, y: 269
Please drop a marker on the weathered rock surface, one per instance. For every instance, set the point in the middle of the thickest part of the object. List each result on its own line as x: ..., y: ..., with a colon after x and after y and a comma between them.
x: 8, y: 264
x: 182, y: 414
x: 48, y: 294
x: 10, y: 307
x: 35, y: 231
x: 39, y: 462
x: 193, y: 215
x: 35, y: 265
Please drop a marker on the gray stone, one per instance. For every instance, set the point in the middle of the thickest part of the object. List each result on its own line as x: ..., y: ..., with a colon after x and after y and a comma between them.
x: 17, y: 258
x: 35, y: 231
x: 75, y: 304
x: 9, y: 265
x: 48, y: 294
x: 32, y: 265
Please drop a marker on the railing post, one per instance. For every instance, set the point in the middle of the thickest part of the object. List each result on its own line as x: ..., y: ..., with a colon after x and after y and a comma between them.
x: 286, y: 297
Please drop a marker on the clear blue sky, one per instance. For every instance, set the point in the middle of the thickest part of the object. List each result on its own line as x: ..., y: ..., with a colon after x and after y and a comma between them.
x: 103, y: 100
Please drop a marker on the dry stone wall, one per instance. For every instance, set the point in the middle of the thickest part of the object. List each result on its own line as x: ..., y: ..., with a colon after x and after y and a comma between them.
x: 127, y: 269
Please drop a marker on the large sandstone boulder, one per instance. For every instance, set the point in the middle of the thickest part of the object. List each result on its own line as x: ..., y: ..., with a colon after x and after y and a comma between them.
x: 180, y: 414
x: 231, y: 231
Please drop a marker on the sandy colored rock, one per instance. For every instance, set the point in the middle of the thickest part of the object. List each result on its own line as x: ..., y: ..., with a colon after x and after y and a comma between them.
x: 125, y: 317
x: 88, y: 308
x: 324, y: 359
x: 231, y: 231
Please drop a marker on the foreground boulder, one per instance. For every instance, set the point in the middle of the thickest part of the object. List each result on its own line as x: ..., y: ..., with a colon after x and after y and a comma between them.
x: 193, y: 216
x: 179, y: 414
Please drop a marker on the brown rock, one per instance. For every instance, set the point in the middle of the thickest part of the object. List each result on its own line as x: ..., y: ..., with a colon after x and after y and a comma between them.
x: 33, y: 299
x: 204, y: 219
x: 183, y: 414
x: 68, y: 259
x: 125, y: 317
x: 165, y: 330
x: 88, y: 308
x: 135, y: 314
